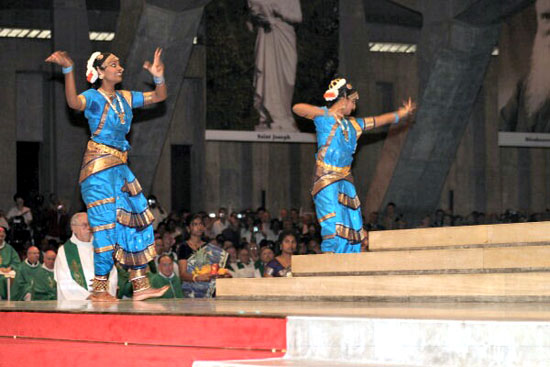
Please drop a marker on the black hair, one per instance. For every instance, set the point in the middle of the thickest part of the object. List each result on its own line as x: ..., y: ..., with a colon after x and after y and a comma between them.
x: 193, y: 217
x: 165, y: 255
x: 98, y: 64
x: 343, y: 92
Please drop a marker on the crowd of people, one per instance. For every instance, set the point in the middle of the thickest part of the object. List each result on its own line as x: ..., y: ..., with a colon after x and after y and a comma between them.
x: 193, y: 250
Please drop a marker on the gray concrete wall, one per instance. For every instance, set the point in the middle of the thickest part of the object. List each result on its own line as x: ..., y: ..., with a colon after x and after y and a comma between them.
x: 16, y: 56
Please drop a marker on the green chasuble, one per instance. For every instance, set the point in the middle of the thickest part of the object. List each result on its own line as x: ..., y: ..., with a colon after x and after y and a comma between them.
x: 158, y: 281
x: 73, y: 259
x: 24, y: 281
x: 45, y: 287
x: 8, y: 257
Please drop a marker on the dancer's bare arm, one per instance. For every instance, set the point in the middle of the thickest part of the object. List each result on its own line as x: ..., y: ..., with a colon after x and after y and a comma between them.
x: 63, y: 59
x: 157, y: 71
x: 310, y: 112
x: 405, y: 111
x: 307, y: 111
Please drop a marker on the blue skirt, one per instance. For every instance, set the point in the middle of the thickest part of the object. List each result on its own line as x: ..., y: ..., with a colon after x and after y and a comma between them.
x: 338, y: 211
x: 120, y: 219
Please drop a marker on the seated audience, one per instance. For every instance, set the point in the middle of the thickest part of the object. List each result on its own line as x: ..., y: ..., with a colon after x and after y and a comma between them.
x: 20, y: 210
x: 266, y: 255
x: 167, y: 276
x: 9, y: 262
x: 196, y: 259
x: 281, y: 265
x: 21, y: 289
x: 244, y: 267
x: 35, y: 281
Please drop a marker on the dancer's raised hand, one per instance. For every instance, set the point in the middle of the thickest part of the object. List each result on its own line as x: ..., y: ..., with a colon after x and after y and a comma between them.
x: 157, y: 67
x: 408, y: 107
x: 61, y: 58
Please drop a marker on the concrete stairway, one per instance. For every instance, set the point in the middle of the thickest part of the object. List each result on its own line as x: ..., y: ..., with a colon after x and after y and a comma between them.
x: 454, y: 289
x: 506, y: 262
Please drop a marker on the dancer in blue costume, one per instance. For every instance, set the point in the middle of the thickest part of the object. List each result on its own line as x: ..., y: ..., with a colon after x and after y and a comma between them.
x: 336, y: 203
x: 117, y: 209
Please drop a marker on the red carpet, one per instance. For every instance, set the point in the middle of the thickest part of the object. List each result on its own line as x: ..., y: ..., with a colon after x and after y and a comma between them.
x: 64, y: 339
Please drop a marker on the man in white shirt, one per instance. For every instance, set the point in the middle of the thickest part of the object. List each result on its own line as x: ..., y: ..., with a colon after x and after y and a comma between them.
x: 20, y: 210
x: 221, y: 223
x: 74, y: 265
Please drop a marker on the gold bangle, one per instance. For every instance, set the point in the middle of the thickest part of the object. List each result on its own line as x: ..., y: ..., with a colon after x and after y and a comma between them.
x: 195, y: 277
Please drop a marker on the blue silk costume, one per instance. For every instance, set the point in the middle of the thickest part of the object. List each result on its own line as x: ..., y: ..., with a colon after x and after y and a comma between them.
x: 336, y: 203
x: 119, y: 216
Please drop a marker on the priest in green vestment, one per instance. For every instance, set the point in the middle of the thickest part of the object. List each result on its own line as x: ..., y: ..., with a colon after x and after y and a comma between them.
x: 167, y: 276
x: 45, y: 286
x: 23, y: 284
x: 9, y: 261
x: 74, y: 265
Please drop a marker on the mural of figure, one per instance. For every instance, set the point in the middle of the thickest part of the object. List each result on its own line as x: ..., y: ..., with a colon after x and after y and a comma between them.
x: 528, y: 109
x: 276, y: 60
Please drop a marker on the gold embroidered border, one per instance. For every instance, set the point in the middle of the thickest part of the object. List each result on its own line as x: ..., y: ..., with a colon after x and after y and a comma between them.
x: 350, y: 234
x: 100, y: 202
x: 98, y: 165
x: 102, y: 121
x: 104, y: 249
x: 325, y: 180
x: 343, y: 170
x: 102, y: 148
x: 99, y: 157
x: 345, y: 200
x: 147, y: 98
x: 133, y: 188
x: 356, y: 126
x: 137, y: 273
x: 134, y: 220
x: 127, y: 96
x: 83, y: 101
x: 135, y: 258
x: 325, y: 217
x: 369, y: 125
x: 329, y: 236
x: 103, y: 227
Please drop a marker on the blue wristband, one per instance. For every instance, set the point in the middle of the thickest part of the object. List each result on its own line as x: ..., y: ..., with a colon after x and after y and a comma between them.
x: 67, y: 70
x: 158, y: 80
x: 396, y: 118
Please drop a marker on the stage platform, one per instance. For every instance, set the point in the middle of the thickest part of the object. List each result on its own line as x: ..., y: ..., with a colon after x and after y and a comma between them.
x: 207, y: 333
x: 437, y: 297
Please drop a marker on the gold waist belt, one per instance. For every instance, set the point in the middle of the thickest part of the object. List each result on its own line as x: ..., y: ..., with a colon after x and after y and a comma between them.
x: 342, y: 170
x: 102, y: 148
x: 99, y: 157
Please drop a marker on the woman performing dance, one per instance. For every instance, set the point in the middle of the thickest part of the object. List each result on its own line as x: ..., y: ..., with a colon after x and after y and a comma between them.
x: 336, y: 202
x: 117, y: 209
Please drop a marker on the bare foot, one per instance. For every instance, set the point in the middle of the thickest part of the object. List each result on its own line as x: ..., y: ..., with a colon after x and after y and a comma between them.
x: 150, y: 293
x: 103, y: 297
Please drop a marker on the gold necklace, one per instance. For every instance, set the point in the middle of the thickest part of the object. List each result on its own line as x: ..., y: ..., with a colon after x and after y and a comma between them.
x: 120, y: 113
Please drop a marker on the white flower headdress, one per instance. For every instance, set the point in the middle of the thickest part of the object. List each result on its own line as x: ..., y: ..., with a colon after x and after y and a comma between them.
x: 332, y: 92
x: 91, y: 72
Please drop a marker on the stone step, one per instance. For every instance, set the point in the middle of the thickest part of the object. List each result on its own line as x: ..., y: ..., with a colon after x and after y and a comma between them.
x: 497, y: 287
x: 465, y: 260
x: 514, y: 234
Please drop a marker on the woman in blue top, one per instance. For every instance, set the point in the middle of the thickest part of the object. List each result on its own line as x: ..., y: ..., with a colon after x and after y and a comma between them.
x: 336, y: 202
x: 117, y: 209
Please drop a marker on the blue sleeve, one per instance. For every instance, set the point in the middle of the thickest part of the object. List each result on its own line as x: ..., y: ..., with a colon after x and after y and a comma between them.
x: 361, y: 122
x: 324, y: 122
x: 137, y: 99
x: 89, y: 95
